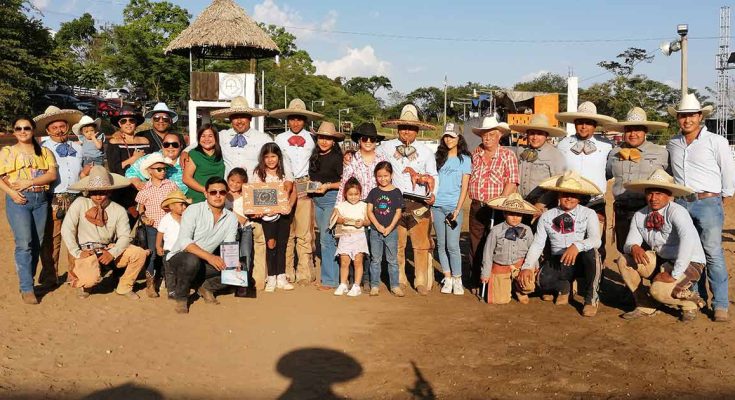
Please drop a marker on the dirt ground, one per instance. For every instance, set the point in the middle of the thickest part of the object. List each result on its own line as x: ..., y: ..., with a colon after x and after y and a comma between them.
x: 308, y: 344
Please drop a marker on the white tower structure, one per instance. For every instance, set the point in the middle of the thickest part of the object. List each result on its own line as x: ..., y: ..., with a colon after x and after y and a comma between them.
x: 722, y: 110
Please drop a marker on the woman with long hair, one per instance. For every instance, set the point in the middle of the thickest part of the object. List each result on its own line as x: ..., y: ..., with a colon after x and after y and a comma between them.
x: 454, y: 164
x: 205, y: 161
x: 123, y: 149
x: 26, y: 170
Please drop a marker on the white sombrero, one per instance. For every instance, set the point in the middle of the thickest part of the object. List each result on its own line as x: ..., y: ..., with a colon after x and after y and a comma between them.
x: 153, y: 159
x: 512, y: 203
x: 409, y: 117
x: 637, y: 117
x: 238, y: 105
x: 100, y: 179
x: 162, y: 108
x: 539, y: 122
x: 53, y: 114
x: 85, y: 121
x: 690, y: 104
x: 295, y: 107
x: 659, y: 179
x: 586, y: 110
x: 570, y: 182
x: 489, y: 124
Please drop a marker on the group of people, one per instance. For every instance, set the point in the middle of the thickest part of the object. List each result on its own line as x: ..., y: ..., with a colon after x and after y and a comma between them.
x: 536, y: 219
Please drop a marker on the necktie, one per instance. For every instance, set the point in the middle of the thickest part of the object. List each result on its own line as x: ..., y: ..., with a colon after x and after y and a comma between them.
x: 584, y: 146
x: 406, y: 151
x: 564, y: 223
x: 296, y: 141
x: 96, y: 215
x: 630, y: 154
x: 529, y: 155
x: 65, y: 150
x: 654, y: 221
x: 515, y: 232
x: 238, y: 141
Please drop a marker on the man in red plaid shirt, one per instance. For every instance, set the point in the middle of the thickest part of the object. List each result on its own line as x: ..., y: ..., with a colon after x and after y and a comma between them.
x: 494, y: 173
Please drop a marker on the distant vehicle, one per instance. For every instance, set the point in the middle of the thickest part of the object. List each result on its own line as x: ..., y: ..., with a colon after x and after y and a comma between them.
x: 60, y: 87
x: 64, y: 101
x: 117, y: 93
x: 105, y: 107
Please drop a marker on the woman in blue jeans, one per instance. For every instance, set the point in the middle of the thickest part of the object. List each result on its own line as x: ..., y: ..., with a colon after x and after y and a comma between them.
x: 325, y: 167
x: 454, y: 164
x: 26, y: 170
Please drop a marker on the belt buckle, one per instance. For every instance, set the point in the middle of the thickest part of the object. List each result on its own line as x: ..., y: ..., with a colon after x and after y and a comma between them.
x: 691, y: 197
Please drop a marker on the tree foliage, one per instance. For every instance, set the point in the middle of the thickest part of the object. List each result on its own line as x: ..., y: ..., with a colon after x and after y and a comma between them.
x: 548, y: 83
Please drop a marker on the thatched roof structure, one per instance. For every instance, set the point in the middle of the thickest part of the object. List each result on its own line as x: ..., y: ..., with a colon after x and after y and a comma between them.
x: 223, y: 31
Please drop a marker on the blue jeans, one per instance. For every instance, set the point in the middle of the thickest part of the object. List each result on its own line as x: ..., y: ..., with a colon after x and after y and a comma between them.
x: 447, y: 241
x: 150, y: 238
x: 708, y: 218
x: 246, y: 247
x: 389, y: 243
x: 323, y: 206
x: 27, y: 222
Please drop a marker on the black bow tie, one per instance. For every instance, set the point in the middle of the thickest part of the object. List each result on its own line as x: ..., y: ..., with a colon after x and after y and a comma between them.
x: 564, y: 223
x: 515, y: 232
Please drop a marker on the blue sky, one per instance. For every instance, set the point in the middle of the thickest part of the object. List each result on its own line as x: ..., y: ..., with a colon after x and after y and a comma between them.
x: 542, y: 27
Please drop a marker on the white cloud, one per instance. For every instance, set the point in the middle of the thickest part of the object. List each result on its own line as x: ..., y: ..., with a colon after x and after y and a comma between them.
x: 413, y: 70
x: 283, y: 15
x: 40, y: 4
x: 357, y: 62
x: 533, y: 75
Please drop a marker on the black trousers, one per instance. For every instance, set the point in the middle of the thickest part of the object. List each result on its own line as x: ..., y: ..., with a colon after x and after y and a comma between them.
x: 191, y: 271
x: 278, y: 231
x: 557, y: 278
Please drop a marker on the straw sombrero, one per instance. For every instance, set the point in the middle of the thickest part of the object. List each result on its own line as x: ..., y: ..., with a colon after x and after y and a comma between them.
x: 177, y: 196
x: 327, y: 129
x: 490, y: 123
x: 409, y: 117
x: 570, y: 182
x: 637, y: 117
x: 295, y: 107
x: 100, y: 179
x: 238, y: 105
x: 539, y: 122
x: 153, y: 159
x: 690, y: 104
x: 85, y: 121
x: 659, y: 179
x: 54, y: 113
x: 586, y: 110
x: 512, y: 203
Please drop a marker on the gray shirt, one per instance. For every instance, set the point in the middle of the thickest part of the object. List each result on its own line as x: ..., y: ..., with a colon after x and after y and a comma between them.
x: 198, y: 226
x: 677, y: 240
x: 502, y: 251
x: 550, y: 162
x: 653, y: 157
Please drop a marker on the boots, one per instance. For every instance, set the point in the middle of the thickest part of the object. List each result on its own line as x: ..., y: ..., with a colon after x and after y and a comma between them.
x: 150, y: 285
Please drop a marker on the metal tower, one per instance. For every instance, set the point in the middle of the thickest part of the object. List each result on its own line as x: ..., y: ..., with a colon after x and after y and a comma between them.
x: 722, y: 109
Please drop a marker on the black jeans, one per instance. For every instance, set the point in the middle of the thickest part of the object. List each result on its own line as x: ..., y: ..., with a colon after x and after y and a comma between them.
x: 557, y: 278
x: 190, y: 270
x: 278, y: 230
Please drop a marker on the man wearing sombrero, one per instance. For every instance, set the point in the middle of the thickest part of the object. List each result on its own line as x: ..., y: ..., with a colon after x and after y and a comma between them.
x: 97, y: 227
x: 539, y: 159
x: 56, y: 124
x: 414, y: 172
x: 297, y: 145
x: 703, y: 161
x: 676, y: 259
x: 161, y: 119
x: 574, y: 239
x: 634, y: 159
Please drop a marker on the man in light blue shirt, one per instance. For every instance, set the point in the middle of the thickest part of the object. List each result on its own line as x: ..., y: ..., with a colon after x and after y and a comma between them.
x: 204, y: 227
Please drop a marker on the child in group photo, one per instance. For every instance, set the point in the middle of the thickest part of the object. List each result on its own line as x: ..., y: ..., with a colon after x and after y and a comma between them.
x: 92, y: 140
x: 168, y: 231
x: 234, y: 202
x: 505, y: 250
x: 385, y: 204
x: 351, y: 219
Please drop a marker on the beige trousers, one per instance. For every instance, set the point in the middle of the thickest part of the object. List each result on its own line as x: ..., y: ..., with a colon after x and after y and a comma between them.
x: 422, y: 261
x: 133, y: 260
x: 259, y: 271
x: 302, y: 238
x: 50, y: 251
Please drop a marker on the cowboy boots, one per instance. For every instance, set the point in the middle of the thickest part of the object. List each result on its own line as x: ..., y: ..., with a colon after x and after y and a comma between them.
x: 150, y: 285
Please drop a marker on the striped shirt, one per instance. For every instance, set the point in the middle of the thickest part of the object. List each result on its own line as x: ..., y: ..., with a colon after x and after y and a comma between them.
x: 489, y: 178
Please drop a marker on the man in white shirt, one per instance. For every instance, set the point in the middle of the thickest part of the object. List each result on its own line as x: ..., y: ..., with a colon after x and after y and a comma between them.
x: 703, y: 162
x: 675, y: 259
x: 414, y: 172
x: 297, y: 145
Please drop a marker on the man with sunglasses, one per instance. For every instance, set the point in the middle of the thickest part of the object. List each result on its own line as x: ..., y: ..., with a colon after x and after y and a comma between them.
x: 574, y: 237
x: 204, y: 227
x: 171, y: 148
x: 56, y: 124
x: 161, y: 119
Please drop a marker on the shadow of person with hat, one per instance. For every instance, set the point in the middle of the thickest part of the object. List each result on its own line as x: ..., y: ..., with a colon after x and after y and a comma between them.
x: 314, y: 370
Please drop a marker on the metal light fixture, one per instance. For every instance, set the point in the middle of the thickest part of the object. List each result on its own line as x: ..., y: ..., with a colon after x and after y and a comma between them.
x: 670, y: 47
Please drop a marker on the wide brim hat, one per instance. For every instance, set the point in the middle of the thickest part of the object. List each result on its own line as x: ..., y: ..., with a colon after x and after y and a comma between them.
x: 153, y: 159
x: 512, y: 203
x: 637, y: 117
x: 367, y: 129
x: 327, y: 129
x: 690, y: 104
x: 539, y: 122
x: 659, y: 179
x: 586, y: 110
x: 162, y: 108
x: 238, y: 105
x: 176, y: 196
x: 570, y: 182
x: 53, y: 114
x: 127, y: 112
x: 85, y: 121
x: 489, y: 124
x: 409, y: 117
x: 295, y: 107
x: 100, y: 178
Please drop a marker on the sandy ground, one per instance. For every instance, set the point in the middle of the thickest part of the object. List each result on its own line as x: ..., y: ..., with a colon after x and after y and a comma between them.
x: 309, y: 344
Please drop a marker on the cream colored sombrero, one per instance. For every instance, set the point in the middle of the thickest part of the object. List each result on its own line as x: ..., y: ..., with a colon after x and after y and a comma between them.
x: 327, y: 129
x: 491, y: 123
x: 586, y: 110
x: 153, y: 159
x: 637, y: 117
x: 690, y: 104
x: 570, y: 182
x: 100, y: 179
x: 659, y: 179
x: 295, y: 107
x: 539, y: 122
x: 409, y: 117
x: 177, y: 196
x: 512, y: 203
x: 53, y: 114
x: 238, y: 105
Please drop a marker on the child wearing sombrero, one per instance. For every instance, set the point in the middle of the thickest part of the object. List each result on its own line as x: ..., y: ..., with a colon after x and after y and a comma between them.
x: 505, y: 249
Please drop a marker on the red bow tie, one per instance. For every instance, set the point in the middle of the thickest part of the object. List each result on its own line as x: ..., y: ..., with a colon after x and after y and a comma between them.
x: 654, y: 220
x: 296, y: 141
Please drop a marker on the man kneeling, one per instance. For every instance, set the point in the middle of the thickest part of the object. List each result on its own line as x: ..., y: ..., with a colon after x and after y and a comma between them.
x: 204, y: 227
x: 675, y: 259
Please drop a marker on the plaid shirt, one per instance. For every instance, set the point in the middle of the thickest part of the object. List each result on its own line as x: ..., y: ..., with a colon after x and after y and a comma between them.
x: 151, y: 196
x: 365, y: 174
x: 489, y: 178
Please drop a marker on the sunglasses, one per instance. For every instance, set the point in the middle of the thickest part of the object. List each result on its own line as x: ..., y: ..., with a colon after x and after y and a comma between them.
x: 157, y: 169
x: 175, y: 145
x: 162, y: 118
x: 368, y: 139
x: 217, y: 192
x: 128, y: 121
x: 22, y: 128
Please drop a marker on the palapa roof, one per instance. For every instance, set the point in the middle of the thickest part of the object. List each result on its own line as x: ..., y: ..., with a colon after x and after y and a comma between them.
x: 223, y: 31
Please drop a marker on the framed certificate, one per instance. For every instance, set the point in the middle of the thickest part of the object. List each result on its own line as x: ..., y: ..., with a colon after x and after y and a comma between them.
x: 264, y: 198
x: 307, y: 186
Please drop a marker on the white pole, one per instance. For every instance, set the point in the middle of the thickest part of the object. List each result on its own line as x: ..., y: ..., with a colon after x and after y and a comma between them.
x: 572, y: 99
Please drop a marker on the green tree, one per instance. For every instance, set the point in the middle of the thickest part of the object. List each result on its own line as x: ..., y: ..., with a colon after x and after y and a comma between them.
x: 369, y: 85
x: 548, y: 83
x: 76, y: 50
